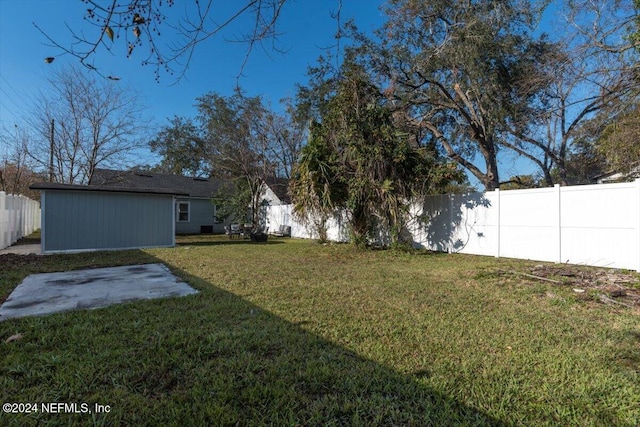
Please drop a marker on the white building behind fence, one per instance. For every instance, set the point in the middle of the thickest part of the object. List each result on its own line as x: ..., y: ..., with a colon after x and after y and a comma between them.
x: 19, y: 217
x: 596, y: 225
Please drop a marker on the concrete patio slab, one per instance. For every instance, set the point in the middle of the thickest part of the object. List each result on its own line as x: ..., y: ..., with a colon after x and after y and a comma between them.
x: 98, y: 287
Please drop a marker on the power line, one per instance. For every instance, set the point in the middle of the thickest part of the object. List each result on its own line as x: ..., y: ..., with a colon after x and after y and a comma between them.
x: 17, y: 100
x: 11, y: 102
x: 5, y: 107
x: 20, y: 98
x: 9, y: 97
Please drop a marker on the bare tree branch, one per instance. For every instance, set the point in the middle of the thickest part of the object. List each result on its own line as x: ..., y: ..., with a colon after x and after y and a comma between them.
x: 130, y: 26
x: 96, y: 122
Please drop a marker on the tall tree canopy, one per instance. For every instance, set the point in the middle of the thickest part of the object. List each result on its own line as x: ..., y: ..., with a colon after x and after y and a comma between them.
x: 619, y: 140
x: 592, y: 77
x: 360, y: 159
x: 237, y: 147
x: 182, y: 148
x: 469, y: 74
x: 456, y: 68
x: 235, y: 138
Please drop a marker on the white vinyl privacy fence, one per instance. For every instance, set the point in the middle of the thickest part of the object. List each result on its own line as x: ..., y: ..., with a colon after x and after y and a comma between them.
x: 595, y: 225
x: 19, y: 217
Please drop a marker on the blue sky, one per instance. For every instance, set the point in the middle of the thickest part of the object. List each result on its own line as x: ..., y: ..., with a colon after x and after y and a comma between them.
x: 307, y: 29
x: 306, y: 25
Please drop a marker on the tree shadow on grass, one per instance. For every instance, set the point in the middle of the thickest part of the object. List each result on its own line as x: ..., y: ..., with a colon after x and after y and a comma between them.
x: 267, y: 370
x: 220, y: 360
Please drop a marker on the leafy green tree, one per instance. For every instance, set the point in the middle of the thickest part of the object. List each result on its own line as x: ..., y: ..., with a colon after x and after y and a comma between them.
x: 231, y: 201
x: 182, y: 148
x: 518, y: 182
x: 593, y: 77
x: 618, y: 141
x: 583, y: 163
x: 236, y: 139
x: 237, y: 146
x: 358, y: 159
x: 317, y: 187
x: 456, y: 67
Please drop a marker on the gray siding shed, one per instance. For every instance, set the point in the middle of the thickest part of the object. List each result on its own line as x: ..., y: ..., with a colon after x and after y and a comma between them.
x: 196, y: 193
x: 76, y: 218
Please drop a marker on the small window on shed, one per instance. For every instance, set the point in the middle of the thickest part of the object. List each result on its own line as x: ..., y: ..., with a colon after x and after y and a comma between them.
x: 183, y: 211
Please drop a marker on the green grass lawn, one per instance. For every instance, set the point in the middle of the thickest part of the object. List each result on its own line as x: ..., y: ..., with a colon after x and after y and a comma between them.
x: 296, y: 333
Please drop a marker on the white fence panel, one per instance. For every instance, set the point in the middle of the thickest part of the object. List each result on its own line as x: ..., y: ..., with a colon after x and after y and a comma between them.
x: 19, y: 217
x: 431, y: 226
x: 278, y: 215
x: 456, y: 223
x: 477, y: 231
x: 595, y: 225
x: 4, y: 222
x: 282, y: 215
x: 529, y: 225
x: 600, y: 225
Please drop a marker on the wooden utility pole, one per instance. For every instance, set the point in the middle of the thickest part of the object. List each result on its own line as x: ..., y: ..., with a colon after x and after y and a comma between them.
x: 51, y: 153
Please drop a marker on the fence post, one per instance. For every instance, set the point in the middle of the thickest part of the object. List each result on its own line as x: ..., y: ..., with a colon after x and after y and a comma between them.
x: 36, y: 215
x: 559, y: 221
x: 21, y: 215
x: 11, y: 210
x: 32, y: 212
x: 451, y: 229
x: 17, y: 206
x: 4, y: 221
x: 637, y: 183
x: 497, y: 193
x: 27, y: 221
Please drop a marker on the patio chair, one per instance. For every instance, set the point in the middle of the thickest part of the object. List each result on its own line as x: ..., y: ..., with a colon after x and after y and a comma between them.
x: 283, y: 231
x: 246, y: 231
x: 232, y: 230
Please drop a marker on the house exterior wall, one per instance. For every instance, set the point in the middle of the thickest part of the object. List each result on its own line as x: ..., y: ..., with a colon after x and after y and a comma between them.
x: 271, y: 197
x: 88, y: 220
x: 201, y: 213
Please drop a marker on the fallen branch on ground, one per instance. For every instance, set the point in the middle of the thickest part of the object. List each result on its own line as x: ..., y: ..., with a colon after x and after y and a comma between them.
x: 532, y: 276
x: 606, y: 300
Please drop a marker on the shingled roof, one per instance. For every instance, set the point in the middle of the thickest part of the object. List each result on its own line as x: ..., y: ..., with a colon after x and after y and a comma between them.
x: 106, y: 188
x: 192, y: 186
x: 280, y: 186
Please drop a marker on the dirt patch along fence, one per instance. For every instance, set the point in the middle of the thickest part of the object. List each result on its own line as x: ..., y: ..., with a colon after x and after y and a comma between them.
x: 19, y: 217
x: 597, y: 225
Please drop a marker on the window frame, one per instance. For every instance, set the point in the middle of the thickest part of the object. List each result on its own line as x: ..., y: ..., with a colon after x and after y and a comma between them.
x: 178, y: 211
